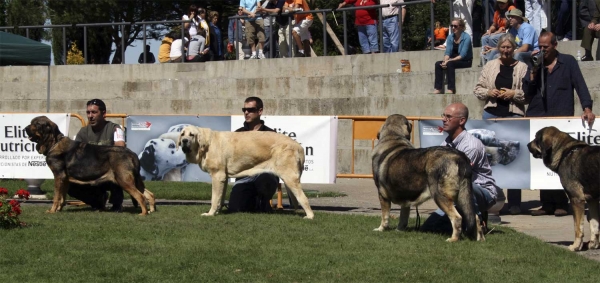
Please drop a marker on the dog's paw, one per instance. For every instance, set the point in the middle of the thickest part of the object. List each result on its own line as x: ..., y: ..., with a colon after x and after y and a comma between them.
x: 593, y: 245
x: 50, y: 211
x: 207, y: 214
x: 380, y: 229
x: 575, y: 248
x: 452, y: 240
x: 307, y: 217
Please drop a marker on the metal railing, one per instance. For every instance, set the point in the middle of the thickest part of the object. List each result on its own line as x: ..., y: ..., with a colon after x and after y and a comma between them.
x: 323, y: 12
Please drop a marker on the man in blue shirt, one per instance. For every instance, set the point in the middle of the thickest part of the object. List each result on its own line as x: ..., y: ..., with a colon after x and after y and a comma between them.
x: 525, y: 37
x: 255, y: 29
x: 555, y: 98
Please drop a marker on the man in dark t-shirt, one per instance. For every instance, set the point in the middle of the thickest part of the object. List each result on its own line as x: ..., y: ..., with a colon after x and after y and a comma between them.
x: 253, y: 193
x: 99, y: 132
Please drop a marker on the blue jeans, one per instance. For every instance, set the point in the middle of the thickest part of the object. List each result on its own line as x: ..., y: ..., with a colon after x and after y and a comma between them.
x: 367, y: 36
x: 439, y: 222
x: 391, y: 33
x: 491, y: 40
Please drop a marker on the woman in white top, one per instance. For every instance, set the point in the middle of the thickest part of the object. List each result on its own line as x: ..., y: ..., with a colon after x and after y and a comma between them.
x: 192, y: 27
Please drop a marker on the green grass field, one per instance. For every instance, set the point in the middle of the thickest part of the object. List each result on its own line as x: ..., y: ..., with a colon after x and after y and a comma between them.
x: 176, y: 244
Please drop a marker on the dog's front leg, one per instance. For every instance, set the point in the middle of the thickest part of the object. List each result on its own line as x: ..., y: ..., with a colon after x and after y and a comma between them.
x: 61, y: 187
x: 404, y: 214
x: 219, y: 183
x: 578, y: 212
x: 593, y: 218
x: 385, y: 214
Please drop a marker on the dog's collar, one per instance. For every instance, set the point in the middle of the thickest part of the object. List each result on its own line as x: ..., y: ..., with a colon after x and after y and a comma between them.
x: 567, y: 153
x: 53, y: 146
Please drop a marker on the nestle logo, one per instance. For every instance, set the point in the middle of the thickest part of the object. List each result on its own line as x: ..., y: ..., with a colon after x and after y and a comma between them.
x: 36, y: 163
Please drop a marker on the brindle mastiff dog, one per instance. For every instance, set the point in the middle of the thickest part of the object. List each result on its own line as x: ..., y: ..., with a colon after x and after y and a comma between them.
x: 578, y: 165
x: 408, y: 176
x: 82, y: 163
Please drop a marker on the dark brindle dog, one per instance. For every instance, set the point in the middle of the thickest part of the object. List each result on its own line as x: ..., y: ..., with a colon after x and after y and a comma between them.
x: 408, y: 176
x: 82, y: 163
x: 577, y: 164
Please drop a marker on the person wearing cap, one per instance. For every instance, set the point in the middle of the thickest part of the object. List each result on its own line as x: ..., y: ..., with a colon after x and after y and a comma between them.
x: 555, y: 97
x: 525, y: 37
x: 489, y: 40
x: 99, y: 131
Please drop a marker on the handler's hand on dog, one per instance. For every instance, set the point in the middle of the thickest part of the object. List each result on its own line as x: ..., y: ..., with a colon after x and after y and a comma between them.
x: 589, y: 117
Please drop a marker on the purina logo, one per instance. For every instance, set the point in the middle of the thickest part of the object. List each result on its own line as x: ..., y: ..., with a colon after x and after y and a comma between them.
x: 432, y: 131
x: 141, y: 126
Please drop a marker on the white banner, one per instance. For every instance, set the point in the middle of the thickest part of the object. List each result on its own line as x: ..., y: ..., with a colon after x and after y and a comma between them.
x: 18, y: 156
x: 318, y: 137
x: 541, y: 177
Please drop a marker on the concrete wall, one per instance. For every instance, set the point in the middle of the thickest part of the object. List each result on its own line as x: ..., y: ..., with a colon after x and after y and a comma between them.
x: 366, y: 85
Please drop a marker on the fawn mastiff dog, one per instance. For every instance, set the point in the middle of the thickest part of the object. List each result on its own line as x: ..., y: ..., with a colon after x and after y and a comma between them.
x: 82, y: 163
x: 408, y: 176
x: 577, y: 164
x: 241, y: 154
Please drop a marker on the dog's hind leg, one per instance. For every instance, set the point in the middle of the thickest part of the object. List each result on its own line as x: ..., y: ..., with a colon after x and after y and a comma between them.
x: 593, y: 218
x: 578, y: 212
x: 293, y: 184
x: 151, y: 200
x: 219, y: 184
x: 447, y: 206
x: 127, y: 182
x: 386, y: 206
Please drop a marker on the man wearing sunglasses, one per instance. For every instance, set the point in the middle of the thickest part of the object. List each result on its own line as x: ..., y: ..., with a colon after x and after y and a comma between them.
x: 253, y: 193
x: 99, y: 132
x: 485, y: 191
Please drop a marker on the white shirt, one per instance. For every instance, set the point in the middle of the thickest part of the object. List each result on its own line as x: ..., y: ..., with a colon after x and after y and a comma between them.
x: 390, y: 11
x: 193, y: 30
x: 176, y: 48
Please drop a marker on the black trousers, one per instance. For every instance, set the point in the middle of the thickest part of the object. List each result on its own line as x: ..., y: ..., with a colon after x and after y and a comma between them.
x: 94, y: 196
x: 451, y: 67
x: 554, y: 199
x: 253, y: 194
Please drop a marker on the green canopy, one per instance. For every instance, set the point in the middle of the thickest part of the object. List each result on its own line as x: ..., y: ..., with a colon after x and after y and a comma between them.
x: 18, y: 50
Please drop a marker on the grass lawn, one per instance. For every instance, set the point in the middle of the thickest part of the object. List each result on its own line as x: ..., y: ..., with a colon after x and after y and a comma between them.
x: 165, y: 190
x: 176, y: 244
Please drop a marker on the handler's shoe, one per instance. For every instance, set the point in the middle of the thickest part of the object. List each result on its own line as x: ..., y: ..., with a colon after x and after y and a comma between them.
x: 514, y: 210
x: 541, y: 212
x: 560, y: 212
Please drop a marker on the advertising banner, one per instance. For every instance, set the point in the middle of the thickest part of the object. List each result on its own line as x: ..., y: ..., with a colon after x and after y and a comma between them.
x: 18, y: 156
x: 153, y: 138
x: 541, y: 176
x: 318, y: 137
x: 505, y: 145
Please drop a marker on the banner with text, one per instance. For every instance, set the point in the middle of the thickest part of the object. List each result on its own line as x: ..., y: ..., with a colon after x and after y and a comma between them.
x: 318, y: 137
x: 18, y: 156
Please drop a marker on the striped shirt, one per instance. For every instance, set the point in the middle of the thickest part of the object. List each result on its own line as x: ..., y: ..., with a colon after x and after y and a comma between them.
x: 475, y: 151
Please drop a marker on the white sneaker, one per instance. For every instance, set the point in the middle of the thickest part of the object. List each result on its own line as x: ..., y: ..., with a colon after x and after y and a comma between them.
x: 261, y: 56
x: 254, y: 57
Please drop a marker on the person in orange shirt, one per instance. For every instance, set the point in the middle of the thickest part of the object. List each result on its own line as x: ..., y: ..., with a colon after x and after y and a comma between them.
x: 301, y: 24
x: 439, y: 34
x: 489, y: 40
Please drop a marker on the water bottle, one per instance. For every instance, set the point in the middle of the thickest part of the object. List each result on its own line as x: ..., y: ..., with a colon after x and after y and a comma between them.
x: 481, y: 57
x: 578, y: 55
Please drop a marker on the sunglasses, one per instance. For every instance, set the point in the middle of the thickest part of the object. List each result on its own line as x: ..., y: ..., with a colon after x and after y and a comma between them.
x: 98, y: 103
x: 250, y: 110
x: 454, y: 26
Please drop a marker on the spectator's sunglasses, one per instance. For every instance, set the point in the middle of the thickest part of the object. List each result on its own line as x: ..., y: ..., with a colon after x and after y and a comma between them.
x: 250, y: 110
x: 98, y: 103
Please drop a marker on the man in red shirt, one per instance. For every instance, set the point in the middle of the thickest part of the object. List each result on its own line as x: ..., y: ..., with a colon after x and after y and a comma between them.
x: 366, y: 24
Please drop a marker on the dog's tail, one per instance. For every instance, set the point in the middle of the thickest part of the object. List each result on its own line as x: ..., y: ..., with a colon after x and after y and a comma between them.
x: 465, y: 205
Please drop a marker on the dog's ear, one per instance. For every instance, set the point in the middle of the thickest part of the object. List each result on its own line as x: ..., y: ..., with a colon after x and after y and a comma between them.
x: 178, y: 142
x: 202, y: 140
x: 545, y: 144
x: 408, y: 129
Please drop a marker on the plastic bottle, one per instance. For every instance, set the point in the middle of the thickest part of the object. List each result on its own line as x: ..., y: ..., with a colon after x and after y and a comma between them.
x: 481, y: 57
x: 578, y: 55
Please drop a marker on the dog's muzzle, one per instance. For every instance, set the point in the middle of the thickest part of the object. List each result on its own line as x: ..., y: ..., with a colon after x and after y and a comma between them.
x: 534, y: 151
x: 30, y: 135
x: 185, y: 146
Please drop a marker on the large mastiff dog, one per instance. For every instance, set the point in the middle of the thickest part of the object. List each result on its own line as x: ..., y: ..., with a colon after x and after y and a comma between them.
x: 241, y: 154
x: 577, y: 164
x: 82, y: 163
x: 408, y: 176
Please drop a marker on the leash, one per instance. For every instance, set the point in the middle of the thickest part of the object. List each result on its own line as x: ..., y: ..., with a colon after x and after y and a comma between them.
x: 418, y: 223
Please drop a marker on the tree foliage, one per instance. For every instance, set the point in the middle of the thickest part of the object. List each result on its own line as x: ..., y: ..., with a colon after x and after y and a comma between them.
x: 24, y: 13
